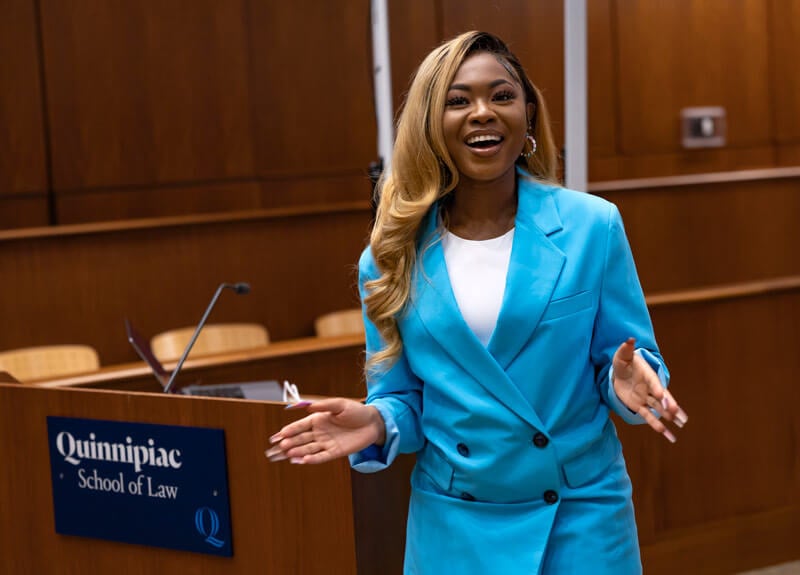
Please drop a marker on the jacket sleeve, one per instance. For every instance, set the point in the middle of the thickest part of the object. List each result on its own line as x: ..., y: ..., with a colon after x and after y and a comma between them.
x: 622, y: 313
x: 396, y: 393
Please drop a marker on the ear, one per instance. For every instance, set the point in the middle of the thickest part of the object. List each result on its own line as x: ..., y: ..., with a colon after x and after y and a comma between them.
x: 530, y: 109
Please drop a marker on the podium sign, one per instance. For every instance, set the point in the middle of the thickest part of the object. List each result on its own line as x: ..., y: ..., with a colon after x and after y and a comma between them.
x: 157, y: 485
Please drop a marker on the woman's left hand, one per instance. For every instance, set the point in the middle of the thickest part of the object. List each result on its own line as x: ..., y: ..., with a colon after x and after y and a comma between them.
x: 640, y: 389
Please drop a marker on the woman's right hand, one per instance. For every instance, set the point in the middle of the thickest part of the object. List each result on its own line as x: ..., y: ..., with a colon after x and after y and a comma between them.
x: 336, y: 427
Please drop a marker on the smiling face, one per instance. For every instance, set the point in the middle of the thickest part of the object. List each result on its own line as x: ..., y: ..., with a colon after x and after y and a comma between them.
x: 485, y: 120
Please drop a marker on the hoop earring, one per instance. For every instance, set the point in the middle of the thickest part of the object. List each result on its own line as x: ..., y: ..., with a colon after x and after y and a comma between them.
x: 532, y: 142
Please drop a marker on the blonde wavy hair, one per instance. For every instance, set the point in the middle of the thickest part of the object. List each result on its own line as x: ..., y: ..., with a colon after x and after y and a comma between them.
x: 422, y: 173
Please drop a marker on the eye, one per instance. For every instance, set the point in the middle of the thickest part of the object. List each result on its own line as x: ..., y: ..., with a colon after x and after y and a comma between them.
x: 504, y: 96
x: 457, y: 101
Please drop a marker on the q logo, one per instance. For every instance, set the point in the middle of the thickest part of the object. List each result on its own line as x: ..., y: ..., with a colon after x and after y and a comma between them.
x: 210, y: 529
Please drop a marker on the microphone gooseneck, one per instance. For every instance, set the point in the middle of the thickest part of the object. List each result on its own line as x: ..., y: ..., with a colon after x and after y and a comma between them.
x: 240, y: 288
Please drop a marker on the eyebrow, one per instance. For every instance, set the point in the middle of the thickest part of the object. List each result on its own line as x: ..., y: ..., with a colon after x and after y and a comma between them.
x: 468, y: 88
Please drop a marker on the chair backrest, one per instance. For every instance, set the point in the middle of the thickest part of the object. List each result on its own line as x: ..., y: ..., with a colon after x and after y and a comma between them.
x: 213, y: 339
x: 31, y: 363
x: 342, y: 322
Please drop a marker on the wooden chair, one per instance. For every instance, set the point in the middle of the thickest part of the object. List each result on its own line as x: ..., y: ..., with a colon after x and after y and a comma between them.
x: 342, y: 322
x: 31, y: 363
x: 213, y: 339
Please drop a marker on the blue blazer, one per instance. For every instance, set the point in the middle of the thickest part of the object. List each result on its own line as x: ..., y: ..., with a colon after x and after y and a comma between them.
x: 519, y: 468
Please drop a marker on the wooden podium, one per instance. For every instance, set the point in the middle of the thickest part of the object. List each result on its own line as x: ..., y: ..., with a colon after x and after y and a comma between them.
x: 285, y: 519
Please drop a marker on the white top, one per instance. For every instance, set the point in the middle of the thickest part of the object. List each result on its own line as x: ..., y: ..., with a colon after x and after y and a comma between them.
x: 478, y: 270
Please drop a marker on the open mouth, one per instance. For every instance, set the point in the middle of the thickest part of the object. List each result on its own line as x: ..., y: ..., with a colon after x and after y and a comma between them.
x: 484, y: 142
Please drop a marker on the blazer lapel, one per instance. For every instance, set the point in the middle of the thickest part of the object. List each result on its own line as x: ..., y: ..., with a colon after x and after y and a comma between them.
x: 438, y: 310
x: 533, y: 272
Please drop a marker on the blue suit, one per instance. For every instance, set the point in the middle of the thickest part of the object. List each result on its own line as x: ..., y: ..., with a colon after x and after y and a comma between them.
x: 519, y: 468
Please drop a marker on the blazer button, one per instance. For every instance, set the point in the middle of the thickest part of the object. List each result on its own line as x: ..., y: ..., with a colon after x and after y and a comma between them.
x: 540, y: 439
x: 463, y: 449
x: 467, y: 497
x: 550, y: 496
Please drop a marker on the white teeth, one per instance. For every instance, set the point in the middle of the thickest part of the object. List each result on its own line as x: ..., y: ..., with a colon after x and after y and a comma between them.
x: 486, y: 138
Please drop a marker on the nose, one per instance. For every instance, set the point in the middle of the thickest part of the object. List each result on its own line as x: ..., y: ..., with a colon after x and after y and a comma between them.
x: 482, y: 111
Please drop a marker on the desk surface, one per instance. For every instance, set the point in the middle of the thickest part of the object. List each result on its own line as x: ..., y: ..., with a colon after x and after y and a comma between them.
x: 319, y: 366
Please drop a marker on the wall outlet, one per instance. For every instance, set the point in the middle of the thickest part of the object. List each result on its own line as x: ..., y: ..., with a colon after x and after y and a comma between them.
x: 703, y: 127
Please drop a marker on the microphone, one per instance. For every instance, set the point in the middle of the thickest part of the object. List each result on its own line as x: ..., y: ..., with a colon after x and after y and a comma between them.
x: 240, y: 288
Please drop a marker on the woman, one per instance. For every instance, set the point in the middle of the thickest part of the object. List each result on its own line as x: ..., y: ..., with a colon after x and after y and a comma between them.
x: 504, y: 320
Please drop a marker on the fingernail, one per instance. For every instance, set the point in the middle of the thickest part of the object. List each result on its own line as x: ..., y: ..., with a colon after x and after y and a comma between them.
x: 275, y: 438
x: 298, y: 460
x: 681, y: 418
x: 665, y: 402
x: 298, y: 404
x: 273, y: 453
x: 668, y: 434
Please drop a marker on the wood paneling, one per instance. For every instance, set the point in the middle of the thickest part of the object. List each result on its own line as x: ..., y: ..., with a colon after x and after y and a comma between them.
x: 602, y: 80
x: 101, y: 204
x: 691, y: 236
x: 312, y: 80
x: 77, y: 284
x: 733, y: 364
x: 24, y: 210
x: 533, y: 29
x: 225, y: 196
x: 785, y: 70
x: 753, y: 541
x: 147, y: 92
x: 698, y: 161
x: 22, y: 136
x: 414, y: 30
x: 691, y: 53
x: 665, y: 56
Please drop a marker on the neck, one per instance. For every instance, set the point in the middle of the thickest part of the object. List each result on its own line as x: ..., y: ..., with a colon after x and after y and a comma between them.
x: 483, y: 210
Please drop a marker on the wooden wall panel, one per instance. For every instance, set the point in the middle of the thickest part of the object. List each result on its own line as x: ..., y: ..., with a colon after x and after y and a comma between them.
x: 414, y: 30
x: 700, y: 235
x: 785, y: 70
x: 736, y: 459
x: 24, y: 210
x: 312, y: 79
x: 225, y: 196
x: 671, y: 55
x: 691, y: 53
x: 23, y: 169
x: 603, y: 110
x: 733, y: 365
x: 147, y: 92
x: 77, y: 284
x: 533, y: 29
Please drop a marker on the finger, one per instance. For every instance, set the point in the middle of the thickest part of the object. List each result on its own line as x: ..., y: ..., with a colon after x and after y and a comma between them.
x: 298, y: 405
x: 626, y: 349
x: 658, y: 406
x: 679, y: 415
x: 292, y: 429
x: 297, y: 440
x: 303, y: 450
x: 296, y: 446
x: 314, y: 458
x: 656, y: 424
x: 275, y: 454
x: 333, y: 405
x: 623, y: 358
x: 662, y: 401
